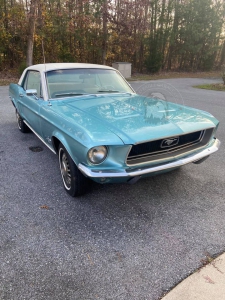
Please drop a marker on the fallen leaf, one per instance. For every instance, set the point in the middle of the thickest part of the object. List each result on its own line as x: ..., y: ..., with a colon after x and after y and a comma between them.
x: 91, y: 261
x: 208, y: 279
x: 44, y: 207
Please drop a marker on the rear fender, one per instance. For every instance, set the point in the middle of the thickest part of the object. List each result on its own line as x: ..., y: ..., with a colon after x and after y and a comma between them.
x: 14, y: 92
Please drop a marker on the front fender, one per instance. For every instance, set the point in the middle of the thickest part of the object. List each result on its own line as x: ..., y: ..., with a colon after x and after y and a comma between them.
x: 76, y: 150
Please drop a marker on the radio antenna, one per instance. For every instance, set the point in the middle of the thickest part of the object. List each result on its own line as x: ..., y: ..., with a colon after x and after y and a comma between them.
x: 43, y: 52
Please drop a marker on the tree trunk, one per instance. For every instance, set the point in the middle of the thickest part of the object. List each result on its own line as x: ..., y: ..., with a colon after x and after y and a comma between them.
x: 31, y: 28
x: 104, y: 25
x: 222, y: 58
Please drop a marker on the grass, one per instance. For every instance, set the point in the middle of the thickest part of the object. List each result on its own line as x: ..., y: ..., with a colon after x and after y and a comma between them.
x: 215, y: 86
x: 167, y: 75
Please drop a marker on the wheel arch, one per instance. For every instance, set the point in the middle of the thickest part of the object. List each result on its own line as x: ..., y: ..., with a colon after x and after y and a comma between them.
x: 13, y: 102
x: 58, y: 139
x: 55, y: 144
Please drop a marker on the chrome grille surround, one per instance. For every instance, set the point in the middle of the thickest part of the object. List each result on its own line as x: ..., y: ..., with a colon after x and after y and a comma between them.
x: 152, y: 150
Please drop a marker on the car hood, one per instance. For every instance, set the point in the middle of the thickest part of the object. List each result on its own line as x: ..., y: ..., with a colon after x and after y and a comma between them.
x: 134, y: 118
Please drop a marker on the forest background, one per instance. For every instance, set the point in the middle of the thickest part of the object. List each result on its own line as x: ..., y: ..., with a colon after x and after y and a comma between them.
x: 153, y: 35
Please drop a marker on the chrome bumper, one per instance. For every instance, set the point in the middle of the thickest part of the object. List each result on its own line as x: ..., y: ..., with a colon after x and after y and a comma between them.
x: 123, y: 173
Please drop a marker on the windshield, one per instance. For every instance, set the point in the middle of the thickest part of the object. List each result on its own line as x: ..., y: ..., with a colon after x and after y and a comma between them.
x: 76, y: 82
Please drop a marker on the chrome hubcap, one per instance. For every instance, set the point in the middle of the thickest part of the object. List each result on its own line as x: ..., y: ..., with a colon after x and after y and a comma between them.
x: 19, y: 120
x: 65, y: 171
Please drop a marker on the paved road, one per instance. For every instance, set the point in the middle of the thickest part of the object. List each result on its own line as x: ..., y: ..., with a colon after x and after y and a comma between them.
x: 119, y: 242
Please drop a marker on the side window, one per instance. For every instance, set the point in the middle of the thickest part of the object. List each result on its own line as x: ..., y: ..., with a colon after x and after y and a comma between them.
x: 33, y: 81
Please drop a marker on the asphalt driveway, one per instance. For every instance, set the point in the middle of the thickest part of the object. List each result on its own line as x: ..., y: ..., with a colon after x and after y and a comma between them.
x: 118, y: 242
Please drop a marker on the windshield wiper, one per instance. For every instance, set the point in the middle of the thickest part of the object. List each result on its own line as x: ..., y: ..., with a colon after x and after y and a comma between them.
x: 69, y: 94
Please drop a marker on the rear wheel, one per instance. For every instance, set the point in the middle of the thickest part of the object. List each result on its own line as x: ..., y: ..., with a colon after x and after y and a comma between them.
x: 21, y: 125
x: 75, y: 183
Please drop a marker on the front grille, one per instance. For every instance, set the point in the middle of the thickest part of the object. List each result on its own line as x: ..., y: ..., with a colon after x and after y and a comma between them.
x: 164, y: 147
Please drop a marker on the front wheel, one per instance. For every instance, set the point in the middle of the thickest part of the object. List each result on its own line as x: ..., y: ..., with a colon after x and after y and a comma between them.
x: 20, y: 123
x: 75, y: 183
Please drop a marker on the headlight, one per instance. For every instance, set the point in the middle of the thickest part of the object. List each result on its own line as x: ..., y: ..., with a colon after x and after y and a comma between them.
x: 97, y: 154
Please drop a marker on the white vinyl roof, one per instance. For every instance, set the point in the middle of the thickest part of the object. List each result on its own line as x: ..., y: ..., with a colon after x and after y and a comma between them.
x: 43, y: 68
x: 57, y: 66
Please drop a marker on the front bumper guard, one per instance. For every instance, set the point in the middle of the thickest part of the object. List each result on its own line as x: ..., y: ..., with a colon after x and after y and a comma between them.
x: 123, y: 173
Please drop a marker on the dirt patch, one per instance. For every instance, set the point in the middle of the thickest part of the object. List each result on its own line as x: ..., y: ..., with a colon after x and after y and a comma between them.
x: 8, y: 76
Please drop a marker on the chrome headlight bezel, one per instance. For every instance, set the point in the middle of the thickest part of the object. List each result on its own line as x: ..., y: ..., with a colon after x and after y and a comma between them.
x: 96, y: 155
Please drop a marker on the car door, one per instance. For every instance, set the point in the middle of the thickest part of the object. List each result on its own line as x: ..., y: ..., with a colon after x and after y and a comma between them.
x: 29, y: 105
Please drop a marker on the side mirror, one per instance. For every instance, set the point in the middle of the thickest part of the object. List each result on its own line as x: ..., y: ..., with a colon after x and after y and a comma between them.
x: 31, y: 92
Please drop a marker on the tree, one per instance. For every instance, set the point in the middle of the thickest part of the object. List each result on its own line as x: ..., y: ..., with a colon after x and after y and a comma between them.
x: 157, y: 34
x: 31, y: 30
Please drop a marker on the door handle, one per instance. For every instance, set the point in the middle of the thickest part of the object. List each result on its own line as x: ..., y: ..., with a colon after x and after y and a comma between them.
x: 21, y: 95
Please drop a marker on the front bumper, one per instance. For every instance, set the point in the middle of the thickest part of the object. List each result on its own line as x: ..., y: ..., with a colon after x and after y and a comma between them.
x: 143, y: 171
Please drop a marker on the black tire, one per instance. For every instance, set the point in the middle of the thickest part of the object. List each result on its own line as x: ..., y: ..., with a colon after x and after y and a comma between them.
x: 21, y: 125
x: 75, y: 183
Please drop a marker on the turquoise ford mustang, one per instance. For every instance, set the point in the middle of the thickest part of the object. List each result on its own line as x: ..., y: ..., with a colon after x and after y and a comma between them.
x: 102, y: 130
